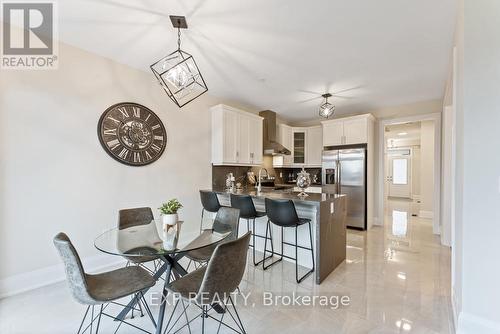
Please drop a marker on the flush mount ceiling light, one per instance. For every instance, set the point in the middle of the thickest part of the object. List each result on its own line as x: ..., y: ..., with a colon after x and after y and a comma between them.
x: 402, y: 133
x: 326, y: 109
x: 178, y: 73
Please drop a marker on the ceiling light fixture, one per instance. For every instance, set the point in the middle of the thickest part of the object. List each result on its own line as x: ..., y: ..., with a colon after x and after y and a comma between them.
x: 326, y: 109
x: 402, y: 133
x: 178, y: 73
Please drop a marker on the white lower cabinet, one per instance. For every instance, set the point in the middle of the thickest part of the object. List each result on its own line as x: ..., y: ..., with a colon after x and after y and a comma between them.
x: 236, y: 137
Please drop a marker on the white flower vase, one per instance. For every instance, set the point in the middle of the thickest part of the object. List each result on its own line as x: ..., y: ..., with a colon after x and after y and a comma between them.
x: 171, y: 229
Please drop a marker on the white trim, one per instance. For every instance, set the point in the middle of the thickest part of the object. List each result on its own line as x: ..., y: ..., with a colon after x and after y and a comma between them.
x: 27, y: 281
x: 415, y: 197
x: 472, y: 324
x: 436, y: 117
x: 426, y: 214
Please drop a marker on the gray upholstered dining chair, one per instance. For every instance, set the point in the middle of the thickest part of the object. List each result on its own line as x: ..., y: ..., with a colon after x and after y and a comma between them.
x: 136, y: 217
x: 104, y: 288
x: 227, y: 219
x: 212, y: 284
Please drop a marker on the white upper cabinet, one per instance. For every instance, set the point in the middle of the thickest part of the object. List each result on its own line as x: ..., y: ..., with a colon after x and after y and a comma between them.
x: 285, y: 138
x: 236, y: 137
x: 255, y: 137
x: 333, y: 133
x: 356, y: 131
x: 347, y: 131
x: 305, y: 143
x: 314, y: 146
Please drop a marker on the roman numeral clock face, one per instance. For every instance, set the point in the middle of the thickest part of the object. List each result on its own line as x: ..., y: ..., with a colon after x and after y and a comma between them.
x: 132, y: 134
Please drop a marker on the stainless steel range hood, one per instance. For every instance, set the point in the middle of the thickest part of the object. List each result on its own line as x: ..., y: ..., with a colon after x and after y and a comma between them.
x: 271, y: 145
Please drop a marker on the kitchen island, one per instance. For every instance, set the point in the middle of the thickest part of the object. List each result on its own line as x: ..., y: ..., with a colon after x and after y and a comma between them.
x: 328, y: 214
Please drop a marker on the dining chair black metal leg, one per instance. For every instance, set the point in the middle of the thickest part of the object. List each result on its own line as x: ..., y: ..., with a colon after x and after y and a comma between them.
x: 83, y: 320
x: 148, y: 310
x: 99, y: 320
x: 222, y: 317
x: 240, y: 325
x: 184, y: 307
x: 171, y: 316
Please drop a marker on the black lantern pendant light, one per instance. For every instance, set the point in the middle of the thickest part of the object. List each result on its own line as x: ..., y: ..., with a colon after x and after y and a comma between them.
x: 326, y: 109
x: 178, y: 73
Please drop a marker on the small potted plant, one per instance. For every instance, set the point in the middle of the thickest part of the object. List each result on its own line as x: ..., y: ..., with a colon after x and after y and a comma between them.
x: 169, y: 211
x: 171, y: 225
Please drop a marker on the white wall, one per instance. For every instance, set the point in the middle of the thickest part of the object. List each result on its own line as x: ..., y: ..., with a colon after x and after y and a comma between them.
x: 55, y: 176
x: 478, y: 168
x: 426, y: 169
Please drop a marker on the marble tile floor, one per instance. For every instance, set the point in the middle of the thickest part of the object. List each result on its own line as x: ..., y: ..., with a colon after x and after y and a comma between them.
x: 396, y: 278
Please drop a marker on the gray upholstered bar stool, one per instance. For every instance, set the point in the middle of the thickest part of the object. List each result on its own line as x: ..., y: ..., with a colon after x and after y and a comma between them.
x: 209, y: 202
x: 226, y: 220
x: 213, y: 284
x: 104, y: 288
x: 247, y: 211
x: 283, y: 213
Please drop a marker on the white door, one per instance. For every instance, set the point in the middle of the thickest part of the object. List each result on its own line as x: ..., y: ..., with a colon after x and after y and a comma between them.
x: 399, y: 176
x: 231, y: 138
x: 314, y: 146
x: 333, y: 133
x: 255, y: 135
x: 355, y: 131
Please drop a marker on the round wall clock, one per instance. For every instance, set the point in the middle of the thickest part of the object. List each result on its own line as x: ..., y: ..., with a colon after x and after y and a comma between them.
x: 132, y: 134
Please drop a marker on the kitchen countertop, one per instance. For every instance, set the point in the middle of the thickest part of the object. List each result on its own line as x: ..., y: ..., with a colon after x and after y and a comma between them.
x: 313, y: 198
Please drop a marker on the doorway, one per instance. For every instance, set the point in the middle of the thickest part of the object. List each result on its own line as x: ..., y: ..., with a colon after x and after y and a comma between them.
x: 410, y: 167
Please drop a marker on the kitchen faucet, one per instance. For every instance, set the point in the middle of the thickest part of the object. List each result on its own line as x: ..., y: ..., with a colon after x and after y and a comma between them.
x: 259, y: 186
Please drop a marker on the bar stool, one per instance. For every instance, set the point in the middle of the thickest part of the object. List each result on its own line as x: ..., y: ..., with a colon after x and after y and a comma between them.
x: 247, y: 211
x: 283, y: 213
x: 210, y: 203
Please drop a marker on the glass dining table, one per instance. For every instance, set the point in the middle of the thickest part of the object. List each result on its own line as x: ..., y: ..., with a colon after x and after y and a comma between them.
x: 136, y: 243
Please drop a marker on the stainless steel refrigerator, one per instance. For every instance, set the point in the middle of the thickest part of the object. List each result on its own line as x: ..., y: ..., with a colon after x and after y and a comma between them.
x: 344, y: 172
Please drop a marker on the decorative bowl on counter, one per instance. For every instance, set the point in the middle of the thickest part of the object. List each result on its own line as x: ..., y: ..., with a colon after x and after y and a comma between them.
x: 303, y: 182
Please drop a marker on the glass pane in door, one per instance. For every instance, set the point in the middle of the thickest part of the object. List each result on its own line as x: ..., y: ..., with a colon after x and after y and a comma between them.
x: 400, y: 171
x: 299, y: 144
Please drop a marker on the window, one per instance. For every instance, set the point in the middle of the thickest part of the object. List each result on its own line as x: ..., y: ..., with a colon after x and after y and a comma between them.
x: 400, y: 171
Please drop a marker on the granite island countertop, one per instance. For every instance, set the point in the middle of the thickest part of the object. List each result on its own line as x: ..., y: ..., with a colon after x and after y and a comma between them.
x: 288, y: 193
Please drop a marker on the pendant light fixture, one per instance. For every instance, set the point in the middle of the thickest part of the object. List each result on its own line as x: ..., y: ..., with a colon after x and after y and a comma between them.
x: 326, y: 109
x: 178, y: 73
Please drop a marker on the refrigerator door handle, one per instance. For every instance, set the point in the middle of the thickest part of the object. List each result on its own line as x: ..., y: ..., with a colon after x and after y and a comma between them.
x: 339, y: 167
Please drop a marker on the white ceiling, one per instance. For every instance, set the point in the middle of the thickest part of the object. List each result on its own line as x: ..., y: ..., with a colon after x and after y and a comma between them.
x: 282, y: 54
x: 411, y: 129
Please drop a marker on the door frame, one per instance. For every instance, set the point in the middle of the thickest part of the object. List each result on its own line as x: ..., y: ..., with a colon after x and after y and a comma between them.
x: 436, y: 117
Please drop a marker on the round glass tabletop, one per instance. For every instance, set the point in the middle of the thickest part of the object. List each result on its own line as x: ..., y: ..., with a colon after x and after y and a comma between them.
x: 145, y: 240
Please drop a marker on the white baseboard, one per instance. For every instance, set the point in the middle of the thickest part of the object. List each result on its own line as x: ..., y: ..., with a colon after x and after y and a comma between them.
x: 377, y: 221
x: 20, y: 283
x: 472, y: 324
x: 426, y: 214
